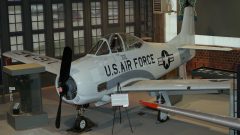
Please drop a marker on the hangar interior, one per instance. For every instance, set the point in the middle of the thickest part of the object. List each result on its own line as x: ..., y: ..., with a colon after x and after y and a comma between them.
x: 47, y: 26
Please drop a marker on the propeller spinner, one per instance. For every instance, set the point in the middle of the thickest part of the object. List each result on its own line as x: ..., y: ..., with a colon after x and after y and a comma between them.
x: 64, y: 76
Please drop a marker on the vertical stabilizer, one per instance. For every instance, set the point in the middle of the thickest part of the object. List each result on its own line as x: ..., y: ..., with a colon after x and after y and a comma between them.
x: 188, y: 27
x: 187, y: 34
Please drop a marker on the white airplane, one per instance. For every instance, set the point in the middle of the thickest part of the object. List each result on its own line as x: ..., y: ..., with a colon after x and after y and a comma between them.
x: 126, y: 60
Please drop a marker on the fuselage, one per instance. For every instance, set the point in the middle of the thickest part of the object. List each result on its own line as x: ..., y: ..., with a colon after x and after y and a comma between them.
x: 98, y: 75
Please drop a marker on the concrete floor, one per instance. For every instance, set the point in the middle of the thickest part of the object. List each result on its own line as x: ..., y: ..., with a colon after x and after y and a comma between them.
x: 142, y: 125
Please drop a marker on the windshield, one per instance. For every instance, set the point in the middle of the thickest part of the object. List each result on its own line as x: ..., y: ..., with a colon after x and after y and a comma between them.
x: 131, y: 42
x: 101, y: 48
x: 95, y: 48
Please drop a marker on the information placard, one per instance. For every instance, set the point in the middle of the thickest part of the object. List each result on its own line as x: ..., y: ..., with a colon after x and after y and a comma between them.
x: 120, y: 100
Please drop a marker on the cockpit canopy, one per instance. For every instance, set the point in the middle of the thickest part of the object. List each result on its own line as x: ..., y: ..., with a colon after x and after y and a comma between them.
x: 116, y: 42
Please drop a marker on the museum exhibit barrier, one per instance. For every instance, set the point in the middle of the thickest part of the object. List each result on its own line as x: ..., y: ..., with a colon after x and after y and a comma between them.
x: 28, y: 112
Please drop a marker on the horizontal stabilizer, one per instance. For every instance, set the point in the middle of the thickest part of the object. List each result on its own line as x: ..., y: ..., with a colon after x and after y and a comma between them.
x: 210, y: 48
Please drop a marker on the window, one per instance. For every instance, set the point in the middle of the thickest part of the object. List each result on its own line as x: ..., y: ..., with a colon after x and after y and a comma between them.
x: 78, y: 36
x: 95, y: 48
x: 78, y: 27
x: 96, y: 21
x: 129, y: 16
x: 131, y: 42
x: 58, y: 15
x: 103, y: 50
x: 15, y: 24
x: 39, y: 43
x: 113, y: 13
x: 59, y: 43
x: 58, y: 28
x: 129, y: 11
x: 16, y: 42
x: 15, y: 18
x: 96, y: 35
x: 37, y: 16
x: 77, y: 14
x: 96, y: 13
x: 130, y: 30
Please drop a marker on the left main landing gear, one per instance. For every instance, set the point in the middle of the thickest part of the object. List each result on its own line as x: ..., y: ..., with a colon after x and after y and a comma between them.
x: 163, y: 98
x: 162, y: 117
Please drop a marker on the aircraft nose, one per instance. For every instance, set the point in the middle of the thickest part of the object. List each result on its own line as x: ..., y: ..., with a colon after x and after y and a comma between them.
x: 72, y: 89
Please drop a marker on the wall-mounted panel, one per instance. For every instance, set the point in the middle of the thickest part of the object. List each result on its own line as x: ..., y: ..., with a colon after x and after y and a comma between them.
x: 218, y: 18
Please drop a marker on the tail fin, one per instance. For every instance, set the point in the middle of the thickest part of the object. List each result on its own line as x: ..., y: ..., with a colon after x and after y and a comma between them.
x: 187, y: 34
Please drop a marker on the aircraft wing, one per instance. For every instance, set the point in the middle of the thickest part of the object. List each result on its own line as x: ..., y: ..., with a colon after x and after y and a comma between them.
x: 179, y: 86
x: 52, y: 65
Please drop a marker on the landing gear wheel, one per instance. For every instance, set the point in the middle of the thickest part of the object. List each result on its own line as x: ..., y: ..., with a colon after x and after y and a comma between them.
x: 81, y: 123
x: 162, y: 117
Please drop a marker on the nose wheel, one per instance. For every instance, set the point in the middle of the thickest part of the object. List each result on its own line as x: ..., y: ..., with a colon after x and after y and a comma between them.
x: 82, y: 123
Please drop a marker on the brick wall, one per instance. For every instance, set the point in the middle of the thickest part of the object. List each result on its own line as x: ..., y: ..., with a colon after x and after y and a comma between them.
x: 215, y: 59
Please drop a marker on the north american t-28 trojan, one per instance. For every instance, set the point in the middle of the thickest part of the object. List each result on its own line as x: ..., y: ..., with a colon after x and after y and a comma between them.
x: 126, y: 60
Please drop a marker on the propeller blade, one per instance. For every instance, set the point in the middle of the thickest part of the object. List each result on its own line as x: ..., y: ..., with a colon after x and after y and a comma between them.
x: 65, y: 65
x: 64, y: 75
x: 58, y: 117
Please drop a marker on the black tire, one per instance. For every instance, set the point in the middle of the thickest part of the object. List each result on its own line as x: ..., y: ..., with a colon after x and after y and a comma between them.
x: 161, y: 120
x: 81, y: 123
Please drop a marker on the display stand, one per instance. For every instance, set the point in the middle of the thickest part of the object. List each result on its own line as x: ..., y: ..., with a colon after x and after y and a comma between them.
x: 115, y: 108
x: 26, y: 79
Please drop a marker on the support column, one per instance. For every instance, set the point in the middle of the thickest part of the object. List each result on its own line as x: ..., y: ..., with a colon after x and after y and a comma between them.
x: 27, y: 25
x: 68, y: 23
x: 48, y: 21
x: 159, y: 27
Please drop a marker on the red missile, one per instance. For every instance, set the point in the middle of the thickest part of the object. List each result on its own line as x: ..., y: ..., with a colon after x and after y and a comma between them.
x: 149, y: 104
